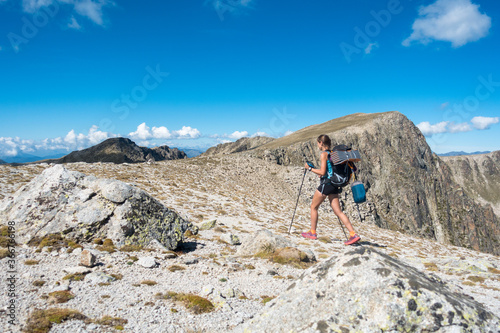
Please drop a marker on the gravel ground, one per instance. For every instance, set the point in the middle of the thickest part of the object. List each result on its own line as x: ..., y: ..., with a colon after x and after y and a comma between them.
x: 253, y: 196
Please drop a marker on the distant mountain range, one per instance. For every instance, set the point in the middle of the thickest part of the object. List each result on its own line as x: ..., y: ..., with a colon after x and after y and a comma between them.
x: 2, y: 162
x: 461, y: 153
x: 120, y: 150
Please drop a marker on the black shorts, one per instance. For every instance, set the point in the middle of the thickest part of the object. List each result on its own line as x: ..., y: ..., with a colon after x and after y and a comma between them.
x: 328, y: 188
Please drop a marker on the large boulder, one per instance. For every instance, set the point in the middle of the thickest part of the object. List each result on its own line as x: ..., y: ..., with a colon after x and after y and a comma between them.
x: 363, y: 290
x: 84, y: 207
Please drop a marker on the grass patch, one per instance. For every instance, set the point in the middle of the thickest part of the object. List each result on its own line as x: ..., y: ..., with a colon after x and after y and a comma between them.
x: 175, y: 268
x: 430, y: 266
x: 149, y: 282
x: 493, y: 270
x: 53, y: 241
x: 223, y: 280
x: 75, y: 277
x: 115, y: 322
x: 31, y: 262
x: 105, y: 296
x: 107, y: 245
x: 131, y: 248
x: 193, y: 303
x: 41, y: 321
x: 249, y: 266
x: 4, y: 253
x: 325, y: 239
x: 117, y: 276
x: 285, y: 256
x: 475, y: 278
x: 39, y: 283
x: 267, y: 299
x: 61, y: 296
x: 5, y: 240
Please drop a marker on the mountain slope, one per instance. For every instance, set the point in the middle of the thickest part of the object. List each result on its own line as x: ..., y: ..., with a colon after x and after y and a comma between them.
x: 411, y: 189
x: 479, y: 175
x: 120, y: 150
x: 240, y: 145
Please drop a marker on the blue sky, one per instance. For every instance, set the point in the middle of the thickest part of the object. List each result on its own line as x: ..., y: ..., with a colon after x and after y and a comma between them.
x: 195, y: 73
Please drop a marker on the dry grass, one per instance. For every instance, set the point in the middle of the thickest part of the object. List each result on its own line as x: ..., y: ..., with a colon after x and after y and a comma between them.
x: 175, y: 268
x: 61, y: 296
x: 193, y: 303
x: 149, y: 282
x: 41, y: 321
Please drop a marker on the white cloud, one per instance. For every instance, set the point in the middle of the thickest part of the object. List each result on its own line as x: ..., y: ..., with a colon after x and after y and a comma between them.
x: 455, y: 21
x: 238, y: 135
x: 482, y: 123
x: 428, y: 129
x: 288, y: 133
x: 186, y: 132
x: 478, y: 123
x: 445, y: 105
x: 144, y: 132
x: 260, y: 133
x: 91, y: 9
x: 161, y: 133
x: 73, y: 24
x: 370, y: 47
x: 457, y: 128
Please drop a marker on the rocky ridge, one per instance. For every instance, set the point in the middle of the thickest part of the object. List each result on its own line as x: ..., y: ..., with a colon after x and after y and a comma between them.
x: 245, y: 196
x: 240, y: 145
x: 410, y: 189
x: 120, y: 150
x: 479, y: 176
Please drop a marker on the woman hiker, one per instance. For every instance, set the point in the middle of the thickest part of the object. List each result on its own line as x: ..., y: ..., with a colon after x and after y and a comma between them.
x: 326, y: 189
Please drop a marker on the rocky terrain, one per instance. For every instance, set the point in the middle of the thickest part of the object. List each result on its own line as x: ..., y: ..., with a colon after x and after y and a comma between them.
x: 479, y: 176
x: 240, y: 145
x: 412, y: 189
x: 120, y: 150
x: 234, y: 266
x: 136, y: 289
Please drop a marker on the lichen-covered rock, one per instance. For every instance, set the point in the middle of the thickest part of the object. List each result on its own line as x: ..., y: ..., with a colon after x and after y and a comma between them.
x: 83, y: 208
x: 208, y: 225
x: 363, y: 290
x: 87, y: 259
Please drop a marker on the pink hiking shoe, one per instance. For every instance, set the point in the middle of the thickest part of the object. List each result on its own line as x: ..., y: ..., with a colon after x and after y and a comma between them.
x: 352, y: 240
x: 309, y: 235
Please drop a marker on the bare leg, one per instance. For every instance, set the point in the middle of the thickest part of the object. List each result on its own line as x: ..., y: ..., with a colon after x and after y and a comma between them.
x: 335, y: 203
x: 316, y: 202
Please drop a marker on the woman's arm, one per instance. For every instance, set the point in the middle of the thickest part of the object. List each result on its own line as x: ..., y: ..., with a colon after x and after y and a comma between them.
x: 322, y: 170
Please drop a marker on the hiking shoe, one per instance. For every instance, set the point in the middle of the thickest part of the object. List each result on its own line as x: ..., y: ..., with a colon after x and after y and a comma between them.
x: 309, y: 235
x: 352, y: 240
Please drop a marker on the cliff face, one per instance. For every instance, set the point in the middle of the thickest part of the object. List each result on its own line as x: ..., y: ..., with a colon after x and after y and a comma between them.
x: 479, y: 175
x: 120, y: 150
x: 240, y: 145
x: 412, y: 190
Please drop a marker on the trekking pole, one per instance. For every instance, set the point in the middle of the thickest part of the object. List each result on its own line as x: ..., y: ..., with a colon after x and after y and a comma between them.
x: 300, y: 189
x: 342, y: 228
x: 357, y: 206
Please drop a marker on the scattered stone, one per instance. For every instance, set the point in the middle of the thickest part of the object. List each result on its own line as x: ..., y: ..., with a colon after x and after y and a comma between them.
x: 272, y: 272
x: 76, y: 270
x: 78, y: 251
x: 207, y: 225
x: 191, y: 261
x: 231, y: 239
x: 207, y: 290
x: 87, y: 258
x: 262, y: 240
x: 147, y: 262
x: 99, y: 277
